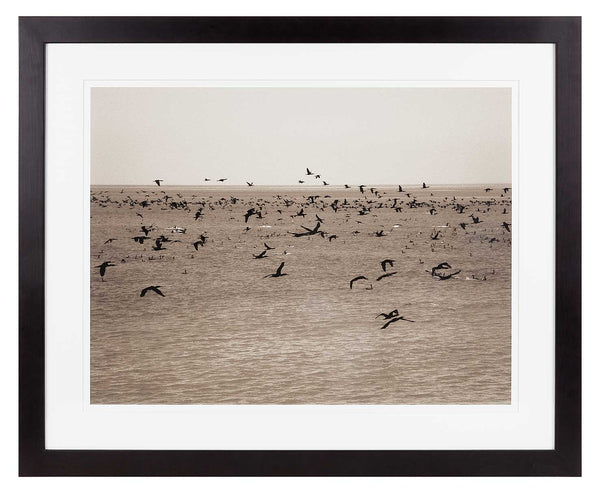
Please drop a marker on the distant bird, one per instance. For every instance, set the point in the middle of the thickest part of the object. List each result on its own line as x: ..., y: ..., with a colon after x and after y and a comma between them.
x: 383, y: 276
x: 200, y: 242
x: 250, y: 184
x: 506, y: 226
x: 308, y: 172
x: 488, y: 189
x: 222, y: 179
x: 463, y: 225
x: 400, y: 188
x: 262, y: 254
x: 140, y: 239
x: 357, y: 278
x: 158, y: 182
x: 146, y: 229
x: 138, y: 214
x: 380, y: 233
x: 206, y: 179
x: 325, y: 183
x: 506, y: 189
x: 151, y: 288
x: 425, y: 186
x: 158, y: 245
x: 435, y: 237
x: 103, y: 267
x: 110, y: 240
x: 444, y: 277
x: 249, y: 213
x: 198, y: 214
x: 332, y: 237
x: 394, y: 320
x: 443, y: 265
x: 278, y: 273
x: 317, y: 176
x: 268, y: 247
x: 346, y: 186
x: 387, y: 316
x: 300, y: 181
x: 386, y: 262
x: 361, y: 188
x: 318, y: 218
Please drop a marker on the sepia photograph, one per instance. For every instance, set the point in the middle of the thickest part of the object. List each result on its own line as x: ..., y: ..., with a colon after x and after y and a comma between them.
x: 301, y: 245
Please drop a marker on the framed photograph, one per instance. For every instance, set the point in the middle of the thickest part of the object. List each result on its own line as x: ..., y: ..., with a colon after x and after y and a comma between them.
x: 300, y: 246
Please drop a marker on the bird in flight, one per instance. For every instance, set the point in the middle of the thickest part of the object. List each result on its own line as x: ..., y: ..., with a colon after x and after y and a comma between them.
x: 249, y: 213
x: 250, y: 183
x: 357, y: 278
x: 346, y: 186
x: 444, y: 277
x: 394, y: 320
x: 103, y: 267
x: 308, y: 172
x: 383, y: 276
x: 387, y: 316
x: 267, y: 247
x: 443, y: 265
x: 386, y: 262
x: 425, y: 186
x: 506, y: 226
x: 278, y: 273
x: 110, y: 240
x: 400, y: 188
x: 262, y: 254
x: 198, y: 214
x: 222, y: 179
x: 325, y: 183
x: 158, y: 182
x: 140, y: 239
x: 151, y: 288
x: 488, y: 189
x: 158, y: 246
x: 206, y: 179
x: 200, y: 242
x: 435, y: 237
x: 300, y: 181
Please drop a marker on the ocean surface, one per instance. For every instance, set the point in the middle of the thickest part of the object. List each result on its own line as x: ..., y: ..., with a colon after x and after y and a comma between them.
x: 225, y: 334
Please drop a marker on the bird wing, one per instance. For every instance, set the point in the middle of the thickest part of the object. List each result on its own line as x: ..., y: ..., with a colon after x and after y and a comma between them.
x: 143, y: 293
x: 158, y: 291
x: 279, y: 269
x: 387, y: 324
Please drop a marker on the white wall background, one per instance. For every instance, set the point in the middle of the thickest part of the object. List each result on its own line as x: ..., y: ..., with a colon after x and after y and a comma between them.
x: 9, y: 248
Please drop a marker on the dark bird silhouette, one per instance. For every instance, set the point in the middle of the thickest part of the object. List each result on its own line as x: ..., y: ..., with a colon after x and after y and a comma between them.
x: 380, y: 233
x: 346, y: 186
x: 383, y: 276
x: 394, y: 320
x: 319, y: 219
x: 200, y: 242
x: 278, y: 273
x: 506, y: 189
x: 308, y: 172
x: 488, y: 189
x: 250, y: 184
x: 222, y: 179
x: 249, y: 213
x: 158, y: 245
x: 151, y: 288
x: 386, y: 262
x: 103, y: 267
x: 400, y: 188
x: 506, y: 226
x: 444, y: 277
x: 463, y: 225
x: 387, y: 316
x: 443, y: 265
x: 262, y: 254
x: 361, y: 188
x: 268, y: 247
x: 146, y: 229
x: 435, y: 237
x: 158, y: 182
x: 198, y: 214
x: 138, y: 214
x: 206, y: 179
x: 332, y: 237
x: 425, y: 186
x: 300, y: 181
x: 357, y: 278
x: 325, y: 183
x: 140, y: 239
x: 110, y: 240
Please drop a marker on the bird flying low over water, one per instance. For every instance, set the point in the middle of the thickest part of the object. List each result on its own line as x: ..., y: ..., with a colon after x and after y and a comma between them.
x: 158, y: 182
x: 383, y: 276
x: 387, y: 316
x: 140, y: 239
x: 425, y: 186
x: 357, y: 278
x: 308, y: 172
x: 267, y: 247
x: 110, y: 240
x: 151, y: 288
x: 262, y: 254
x: 222, y: 179
x: 506, y: 226
x: 394, y: 320
x: 103, y: 267
x: 386, y: 262
x: 278, y: 273
x: 250, y: 183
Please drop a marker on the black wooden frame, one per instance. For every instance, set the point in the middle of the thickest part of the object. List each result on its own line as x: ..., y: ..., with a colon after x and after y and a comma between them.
x: 563, y: 32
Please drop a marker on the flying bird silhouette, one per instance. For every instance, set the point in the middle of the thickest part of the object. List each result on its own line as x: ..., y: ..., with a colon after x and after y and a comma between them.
x: 158, y: 182
x: 386, y: 262
x: 103, y: 267
x: 151, y: 288
x: 278, y: 273
x: 357, y: 278
x: 387, y: 316
x: 394, y: 320
x: 383, y: 276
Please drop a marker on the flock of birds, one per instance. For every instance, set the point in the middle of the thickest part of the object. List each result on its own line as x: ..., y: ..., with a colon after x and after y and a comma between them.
x: 372, y: 201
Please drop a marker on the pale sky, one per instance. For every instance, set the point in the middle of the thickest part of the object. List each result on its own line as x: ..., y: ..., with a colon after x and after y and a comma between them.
x: 269, y: 136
